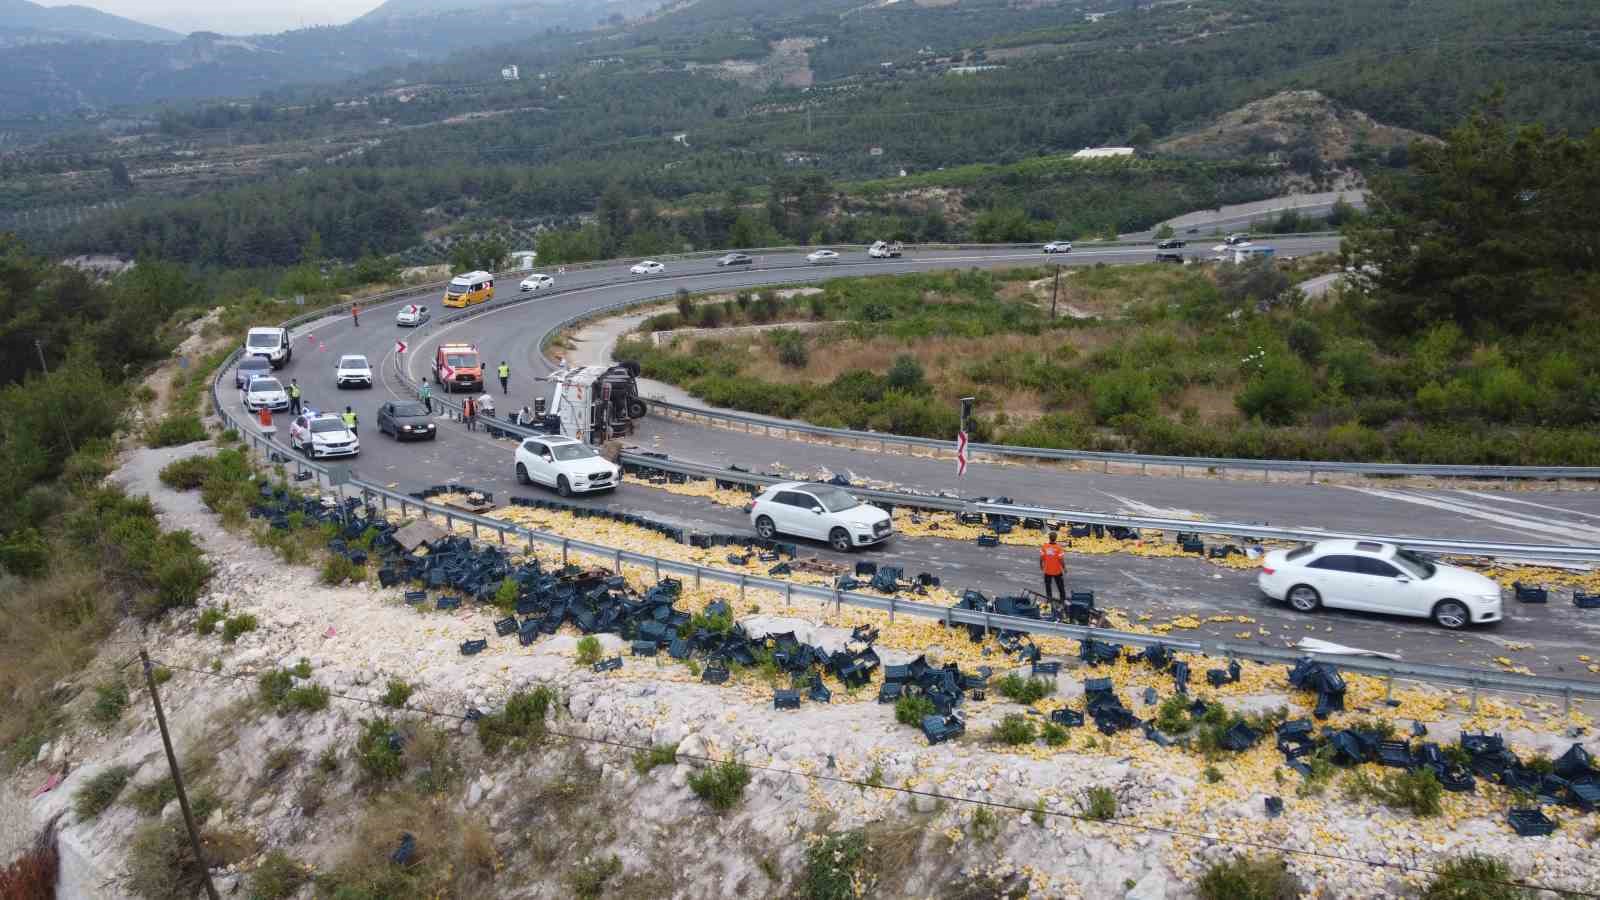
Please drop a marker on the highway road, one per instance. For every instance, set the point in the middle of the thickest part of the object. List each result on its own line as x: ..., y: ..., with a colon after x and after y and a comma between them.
x: 1160, y: 587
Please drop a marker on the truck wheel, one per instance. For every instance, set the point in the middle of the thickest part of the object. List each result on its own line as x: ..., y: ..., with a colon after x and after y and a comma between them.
x: 563, y: 487
x: 636, y: 408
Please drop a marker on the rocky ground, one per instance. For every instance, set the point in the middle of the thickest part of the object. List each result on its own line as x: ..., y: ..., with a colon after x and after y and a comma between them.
x: 545, y: 817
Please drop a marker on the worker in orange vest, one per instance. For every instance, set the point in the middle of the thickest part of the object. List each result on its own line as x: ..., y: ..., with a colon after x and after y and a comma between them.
x: 355, y: 315
x: 1053, y: 563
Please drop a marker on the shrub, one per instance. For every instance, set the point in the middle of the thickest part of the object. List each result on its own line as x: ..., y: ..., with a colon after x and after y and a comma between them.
x: 1054, y: 735
x: 278, y: 876
x: 911, y: 710
x: 161, y: 862
x: 1305, y: 339
x: 1279, y: 391
x: 984, y: 825
x: 906, y: 374
x: 1098, y: 804
x: 1013, y: 730
x: 1172, y: 716
x: 186, y: 474
x: 1121, y: 392
x: 1418, y: 791
x: 660, y: 755
x: 1474, y: 877
x: 174, y: 430
x: 210, y: 618
x: 237, y: 625
x: 33, y: 874
x: 588, y: 878
x: 307, y: 698
x: 505, y: 596
x: 110, y: 699
x: 152, y: 797
x: 1249, y: 878
x: 301, y: 669
x: 378, y: 756
x: 338, y: 569
x: 1025, y: 690
x: 520, y: 725
x: 397, y: 693
x: 100, y: 791
x: 832, y: 863
x: 722, y: 785
x: 588, y: 650
x: 273, y: 687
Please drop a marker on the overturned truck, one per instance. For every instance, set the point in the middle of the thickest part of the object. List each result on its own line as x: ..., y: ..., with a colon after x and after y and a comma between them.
x: 595, y: 403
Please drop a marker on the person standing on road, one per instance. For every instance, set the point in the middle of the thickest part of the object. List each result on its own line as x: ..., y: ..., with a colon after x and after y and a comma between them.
x: 1053, y: 563
x: 350, y: 419
x: 355, y: 315
x: 505, y: 377
x: 469, y: 413
x: 294, y: 397
x: 425, y: 394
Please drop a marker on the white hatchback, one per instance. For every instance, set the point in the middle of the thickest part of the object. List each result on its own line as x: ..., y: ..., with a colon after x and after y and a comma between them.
x: 324, y: 435
x: 648, y: 267
x: 821, y: 256
x: 824, y: 512
x: 536, y: 282
x: 352, y: 371
x: 411, y: 315
x: 264, y: 393
x: 569, y: 466
x: 1381, y: 578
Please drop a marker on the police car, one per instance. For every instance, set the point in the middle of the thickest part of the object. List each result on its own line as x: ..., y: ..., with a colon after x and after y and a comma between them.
x: 320, y: 435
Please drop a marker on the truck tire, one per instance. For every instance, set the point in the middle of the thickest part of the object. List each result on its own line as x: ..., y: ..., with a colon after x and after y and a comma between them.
x: 637, y: 408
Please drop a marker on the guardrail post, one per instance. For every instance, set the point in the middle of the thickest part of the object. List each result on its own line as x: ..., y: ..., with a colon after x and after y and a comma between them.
x: 741, y: 589
x: 838, y: 602
x: 474, y: 529
x: 788, y: 595
x: 1472, y: 706
x: 403, y: 506
x: 449, y: 523
x: 658, y: 568
x: 891, y: 609
x: 564, y: 543
x: 616, y: 561
x: 697, y: 578
x: 502, y: 533
x: 1566, y: 701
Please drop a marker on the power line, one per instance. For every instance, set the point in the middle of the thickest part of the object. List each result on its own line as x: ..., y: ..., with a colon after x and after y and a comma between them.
x: 992, y: 804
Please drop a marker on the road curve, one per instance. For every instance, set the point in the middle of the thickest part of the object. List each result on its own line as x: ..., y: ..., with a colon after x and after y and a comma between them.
x: 1159, y: 587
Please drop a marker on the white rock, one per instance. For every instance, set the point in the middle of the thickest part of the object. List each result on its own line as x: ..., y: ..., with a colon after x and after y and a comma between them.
x: 923, y: 803
x: 44, y: 752
x: 474, y: 794
x: 1155, y: 885
x: 690, y: 747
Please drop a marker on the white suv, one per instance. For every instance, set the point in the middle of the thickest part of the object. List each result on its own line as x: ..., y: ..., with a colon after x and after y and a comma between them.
x: 1381, y: 578
x: 569, y: 466
x: 352, y: 371
x: 536, y: 282
x: 1058, y: 247
x: 821, y: 511
x: 319, y: 435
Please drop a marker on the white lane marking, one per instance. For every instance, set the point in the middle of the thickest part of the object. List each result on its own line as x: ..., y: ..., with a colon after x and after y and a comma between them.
x: 1137, y: 507
x: 1484, y: 513
x: 1561, y: 509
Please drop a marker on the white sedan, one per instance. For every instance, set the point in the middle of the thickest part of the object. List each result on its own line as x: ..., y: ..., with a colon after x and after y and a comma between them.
x: 821, y: 256
x: 352, y: 371
x: 648, y: 267
x: 264, y: 393
x: 319, y: 436
x: 411, y: 315
x: 1058, y: 247
x: 569, y: 466
x: 536, y: 282
x: 1382, y: 578
x: 821, y: 511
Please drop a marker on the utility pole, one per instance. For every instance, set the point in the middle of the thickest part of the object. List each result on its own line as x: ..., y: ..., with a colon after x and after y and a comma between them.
x: 1055, y: 288
x: 65, y: 430
x: 177, y: 777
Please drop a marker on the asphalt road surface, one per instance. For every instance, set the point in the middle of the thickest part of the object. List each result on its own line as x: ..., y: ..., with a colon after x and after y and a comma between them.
x: 1160, y: 587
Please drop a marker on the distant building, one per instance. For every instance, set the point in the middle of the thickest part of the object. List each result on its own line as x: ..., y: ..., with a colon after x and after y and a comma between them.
x: 970, y: 70
x: 1102, y: 152
x: 510, y: 73
x: 681, y: 137
x: 874, y: 151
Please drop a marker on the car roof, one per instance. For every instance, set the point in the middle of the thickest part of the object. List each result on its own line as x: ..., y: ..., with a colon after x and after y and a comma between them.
x: 1362, y: 548
x: 360, y: 356
x: 556, y: 439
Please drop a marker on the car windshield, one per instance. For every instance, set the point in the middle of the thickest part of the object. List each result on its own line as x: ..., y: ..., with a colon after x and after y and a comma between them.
x: 573, y: 451
x: 262, y: 340
x: 262, y: 385
x: 1414, y: 565
x: 410, y: 409
x: 254, y: 362
x: 461, y: 360
x: 353, y: 362
x: 833, y: 499
x: 458, y: 287
x: 323, y: 426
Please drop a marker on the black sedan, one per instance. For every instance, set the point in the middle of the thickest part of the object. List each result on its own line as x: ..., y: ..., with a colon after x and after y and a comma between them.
x: 734, y: 259
x: 406, y: 420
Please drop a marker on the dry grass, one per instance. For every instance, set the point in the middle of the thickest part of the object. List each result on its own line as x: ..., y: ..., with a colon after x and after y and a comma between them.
x: 455, y: 855
x: 561, y: 815
x: 49, y: 630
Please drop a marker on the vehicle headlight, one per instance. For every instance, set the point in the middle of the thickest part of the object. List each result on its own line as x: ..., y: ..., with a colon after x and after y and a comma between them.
x: 405, y: 427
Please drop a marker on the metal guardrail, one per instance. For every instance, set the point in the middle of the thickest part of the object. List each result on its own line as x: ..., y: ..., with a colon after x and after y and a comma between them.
x: 1474, y: 679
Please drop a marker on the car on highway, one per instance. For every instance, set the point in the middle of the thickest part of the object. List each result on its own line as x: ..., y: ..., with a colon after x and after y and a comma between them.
x: 411, y: 315
x: 264, y: 393
x: 250, y: 367
x: 1376, y: 577
x: 1237, y: 238
x: 886, y: 249
x: 1167, y: 256
x: 1058, y: 247
x: 320, y: 435
x: 406, y: 420
x: 536, y: 282
x: 734, y: 259
x: 352, y: 371
x: 1171, y: 244
x: 271, y: 343
x: 570, y: 466
x: 821, y: 256
x: 647, y: 267
x: 824, y: 512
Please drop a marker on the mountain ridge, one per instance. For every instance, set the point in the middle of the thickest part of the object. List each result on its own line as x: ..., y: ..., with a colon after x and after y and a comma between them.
x: 25, y: 22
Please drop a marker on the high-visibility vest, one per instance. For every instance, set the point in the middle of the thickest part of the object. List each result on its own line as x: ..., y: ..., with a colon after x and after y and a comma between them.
x: 427, y: 391
x: 294, y: 391
x: 349, y: 419
x: 1052, y: 559
x: 505, y: 371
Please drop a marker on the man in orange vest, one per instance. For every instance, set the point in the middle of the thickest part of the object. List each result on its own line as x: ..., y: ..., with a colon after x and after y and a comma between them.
x: 1053, y: 563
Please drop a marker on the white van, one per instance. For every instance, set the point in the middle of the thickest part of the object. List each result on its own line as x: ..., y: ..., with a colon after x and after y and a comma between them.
x: 271, y: 344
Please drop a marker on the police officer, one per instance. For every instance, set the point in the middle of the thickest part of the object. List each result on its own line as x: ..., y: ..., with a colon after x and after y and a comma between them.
x: 505, y: 377
x: 294, y: 397
x: 1053, y: 563
x: 350, y: 419
x: 425, y: 394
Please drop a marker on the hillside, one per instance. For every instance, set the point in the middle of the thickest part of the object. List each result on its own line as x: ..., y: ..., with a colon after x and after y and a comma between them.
x: 570, y: 14
x: 1302, y: 128
x: 22, y: 22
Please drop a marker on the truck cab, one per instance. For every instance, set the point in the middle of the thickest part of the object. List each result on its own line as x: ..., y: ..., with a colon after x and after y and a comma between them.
x: 885, y: 249
x: 458, y: 367
x: 596, y: 403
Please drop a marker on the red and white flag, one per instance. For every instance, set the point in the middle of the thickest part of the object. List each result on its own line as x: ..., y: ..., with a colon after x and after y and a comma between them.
x: 961, y: 453
x: 399, y: 346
